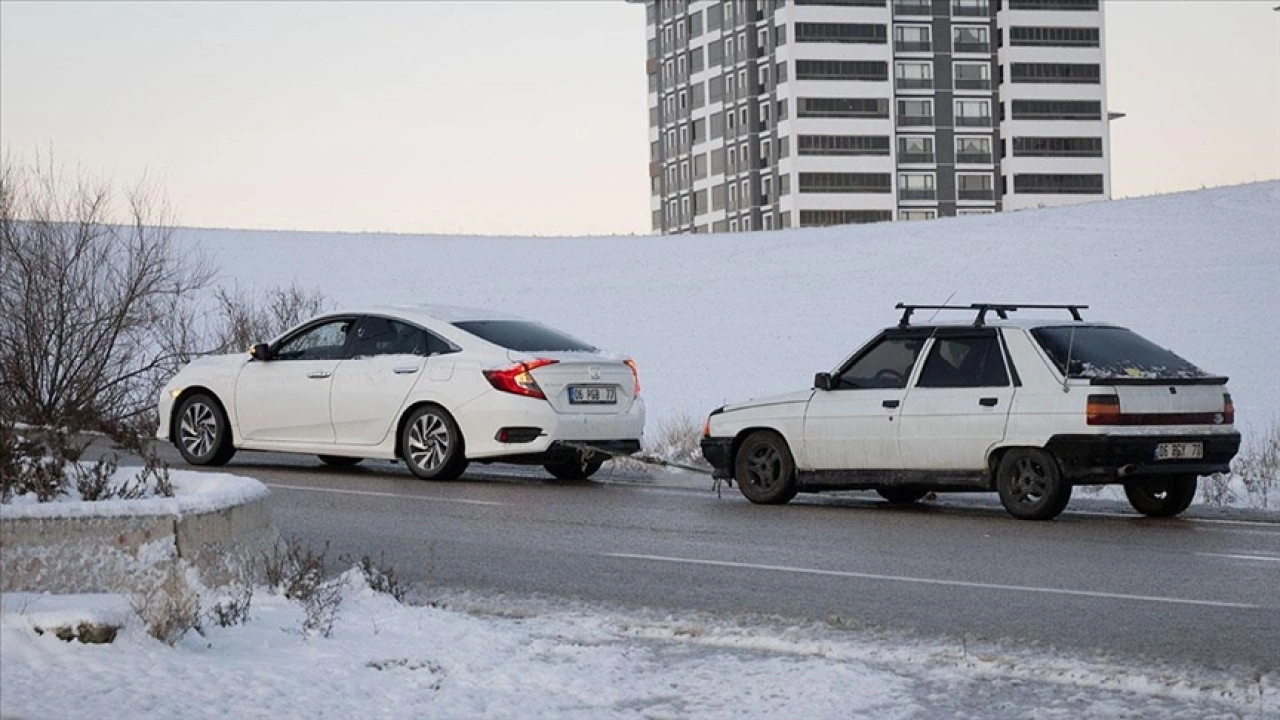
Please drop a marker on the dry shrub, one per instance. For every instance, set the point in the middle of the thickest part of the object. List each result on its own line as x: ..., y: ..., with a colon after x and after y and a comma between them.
x: 234, y: 609
x: 679, y: 440
x: 170, y: 608
x: 298, y: 572
x: 1257, y: 467
x: 382, y: 577
x: 242, y: 319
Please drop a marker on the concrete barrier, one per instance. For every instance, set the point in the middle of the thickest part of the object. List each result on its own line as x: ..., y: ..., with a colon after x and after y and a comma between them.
x: 219, y: 524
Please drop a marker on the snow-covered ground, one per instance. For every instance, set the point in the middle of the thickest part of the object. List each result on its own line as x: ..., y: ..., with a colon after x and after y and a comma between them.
x: 717, y: 318
x: 478, y: 658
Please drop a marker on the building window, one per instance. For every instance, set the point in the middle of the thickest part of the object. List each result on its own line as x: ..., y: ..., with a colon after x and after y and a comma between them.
x: 731, y: 158
x: 917, y: 214
x: 842, y: 145
x: 1053, y: 36
x: 913, y: 75
x: 1057, y: 110
x: 970, y: 39
x: 1072, y: 73
x: 844, y: 182
x: 915, y: 113
x: 1057, y: 147
x: 841, y: 33
x: 972, y: 150
x: 972, y: 76
x: 973, y: 113
x: 843, y: 108
x: 970, y: 8
x: 916, y: 186
x: 733, y: 226
x: 974, y: 187
x: 1068, y: 5
x: 733, y: 196
x: 824, y: 218
x: 975, y: 211
x: 912, y: 38
x: 912, y: 150
x: 868, y: 70
x: 1029, y: 184
x: 766, y: 190
x: 764, y: 153
x: 767, y: 221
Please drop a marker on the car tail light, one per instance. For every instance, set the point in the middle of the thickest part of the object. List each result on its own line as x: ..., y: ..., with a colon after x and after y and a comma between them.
x: 706, y: 427
x: 517, y: 379
x: 635, y: 375
x: 1103, y: 410
x: 1228, y: 409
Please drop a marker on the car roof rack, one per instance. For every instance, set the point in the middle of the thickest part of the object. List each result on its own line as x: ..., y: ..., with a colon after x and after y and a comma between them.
x: 1001, y: 310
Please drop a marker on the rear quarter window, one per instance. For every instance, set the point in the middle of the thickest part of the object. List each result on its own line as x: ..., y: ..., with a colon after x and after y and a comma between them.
x: 1111, y: 352
x: 523, y: 336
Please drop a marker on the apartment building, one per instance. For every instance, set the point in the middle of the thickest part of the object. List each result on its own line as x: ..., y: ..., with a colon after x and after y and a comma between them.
x: 771, y: 114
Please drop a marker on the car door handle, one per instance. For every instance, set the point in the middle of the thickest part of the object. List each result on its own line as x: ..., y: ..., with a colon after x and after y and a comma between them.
x: 988, y: 402
x: 318, y: 374
x: 890, y: 403
x: 408, y: 370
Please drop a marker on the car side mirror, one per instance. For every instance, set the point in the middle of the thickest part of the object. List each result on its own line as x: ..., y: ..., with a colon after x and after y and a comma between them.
x: 822, y: 381
x: 260, y: 351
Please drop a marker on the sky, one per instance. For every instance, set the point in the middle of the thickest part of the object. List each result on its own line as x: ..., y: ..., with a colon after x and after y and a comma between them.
x: 502, y: 117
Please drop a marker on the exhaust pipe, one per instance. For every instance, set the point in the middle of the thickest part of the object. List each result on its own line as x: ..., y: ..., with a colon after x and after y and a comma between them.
x: 1127, y: 470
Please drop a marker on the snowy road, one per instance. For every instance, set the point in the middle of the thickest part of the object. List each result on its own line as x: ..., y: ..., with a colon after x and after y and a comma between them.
x: 1098, y: 581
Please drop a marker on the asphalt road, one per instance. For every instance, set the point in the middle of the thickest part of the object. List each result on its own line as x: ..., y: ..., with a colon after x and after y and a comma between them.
x: 1203, y: 589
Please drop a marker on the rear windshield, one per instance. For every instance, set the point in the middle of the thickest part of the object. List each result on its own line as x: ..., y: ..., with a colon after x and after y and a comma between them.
x: 523, y: 336
x: 1111, y: 352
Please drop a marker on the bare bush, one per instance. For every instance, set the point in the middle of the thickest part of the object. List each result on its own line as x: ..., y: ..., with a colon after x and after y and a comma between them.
x: 382, y: 577
x: 233, y: 610
x: 243, y: 319
x: 1256, y: 467
x: 170, y: 609
x: 48, y: 462
x: 293, y: 569
x: 88, y: 276
x: 679, y: 440
x: 321, y: 608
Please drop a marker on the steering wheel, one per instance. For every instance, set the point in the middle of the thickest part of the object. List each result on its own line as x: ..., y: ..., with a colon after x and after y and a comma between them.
x: 890, y: 375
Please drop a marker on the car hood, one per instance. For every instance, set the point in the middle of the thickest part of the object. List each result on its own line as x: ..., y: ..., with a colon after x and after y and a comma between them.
x: 800, y: 396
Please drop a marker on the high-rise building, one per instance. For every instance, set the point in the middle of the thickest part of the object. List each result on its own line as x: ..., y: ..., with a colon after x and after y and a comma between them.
x: 794, y: 113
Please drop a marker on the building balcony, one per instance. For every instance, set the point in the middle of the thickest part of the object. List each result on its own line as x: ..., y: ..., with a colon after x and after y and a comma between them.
x: 973, y: 121
x: 973, y: 83
x: 973, y: 158
x: 916, y: 158
x: 982, y: 10
x: 912, y: 46
x: 984, y: 194
x: 914, y: 83
x: 920, y: 194
x: 915, y: 120
x: 971, y: 47
x: 913, y: 8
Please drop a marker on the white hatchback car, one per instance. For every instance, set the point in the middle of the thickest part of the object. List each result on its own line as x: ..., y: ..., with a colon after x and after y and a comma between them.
x: 436, y: 387
x: 1026, y: 408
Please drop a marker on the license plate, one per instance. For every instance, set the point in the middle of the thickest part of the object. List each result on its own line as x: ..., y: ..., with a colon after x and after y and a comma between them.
x: 593, y: 395
x: 1180, y: 451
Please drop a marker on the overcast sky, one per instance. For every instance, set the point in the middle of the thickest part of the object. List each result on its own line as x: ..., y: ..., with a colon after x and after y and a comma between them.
x: 503, y: 117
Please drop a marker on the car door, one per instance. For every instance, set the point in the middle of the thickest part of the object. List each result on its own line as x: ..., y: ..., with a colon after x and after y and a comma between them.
x: 852, y: 425
x: 286, y: 397
x: 958, y: 406
x: 387, y: 358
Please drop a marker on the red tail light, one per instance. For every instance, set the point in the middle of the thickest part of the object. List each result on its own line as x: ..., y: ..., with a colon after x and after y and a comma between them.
x: 517, y: 379
x: 1228, y: 409
x: 635, y: 374
x: 1103, y: 410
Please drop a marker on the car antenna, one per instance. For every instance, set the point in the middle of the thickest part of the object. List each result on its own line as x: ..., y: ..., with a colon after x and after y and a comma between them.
x: 1066, y: 371
x: 939, y: 308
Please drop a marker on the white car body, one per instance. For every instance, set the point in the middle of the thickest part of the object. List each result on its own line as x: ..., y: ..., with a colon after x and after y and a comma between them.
x: 953, y: 438
x: 353, y: 406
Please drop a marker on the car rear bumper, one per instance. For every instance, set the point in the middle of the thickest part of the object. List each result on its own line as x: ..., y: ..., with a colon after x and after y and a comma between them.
x: 541, y: 426
x: 1106, y: 458
x: 719, y: 452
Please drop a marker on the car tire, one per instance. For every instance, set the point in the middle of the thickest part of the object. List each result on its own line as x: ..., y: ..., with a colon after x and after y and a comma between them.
x: 765, y: 470
x: 201, y: 431
x: 1031, y: 486
x: 902, y: 495
x: 339, y: 461
x: 1163, y: 496
x: 575, y: 467
x: 431, y: 444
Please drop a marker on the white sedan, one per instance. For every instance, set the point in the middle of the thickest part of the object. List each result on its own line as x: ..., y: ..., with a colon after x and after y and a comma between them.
x: 436, y: 387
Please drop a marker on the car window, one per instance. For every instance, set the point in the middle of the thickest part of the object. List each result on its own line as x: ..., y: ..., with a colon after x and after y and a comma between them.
x: 321, y: 342
x: 523, y: 336
x: 1110, y: 352
x: 961, y: 362
x: 383, y: 336
x: 885, y: 365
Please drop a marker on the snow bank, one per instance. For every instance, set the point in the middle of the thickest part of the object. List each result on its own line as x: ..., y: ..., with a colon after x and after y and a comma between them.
x: 193, y: 493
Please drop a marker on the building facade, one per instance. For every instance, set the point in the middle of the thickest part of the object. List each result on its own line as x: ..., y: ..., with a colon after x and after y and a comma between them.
x: 769, y: 114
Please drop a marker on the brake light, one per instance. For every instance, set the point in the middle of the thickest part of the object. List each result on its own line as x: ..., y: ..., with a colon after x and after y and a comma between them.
x: 1103, y: 410
x: 635, y: 375
x: 706, y: 427
x: 517, y: 379
x: 1228, y: 409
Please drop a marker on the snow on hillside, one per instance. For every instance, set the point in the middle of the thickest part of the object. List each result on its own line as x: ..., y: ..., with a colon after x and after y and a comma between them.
x: 716, y: 318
